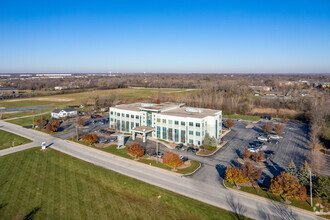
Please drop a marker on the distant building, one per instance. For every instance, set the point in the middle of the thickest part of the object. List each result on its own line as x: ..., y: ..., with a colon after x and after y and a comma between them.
x: 8, y: 91
x: 274, y: 93
x: 62, y: 113
x: 261, y: 88
x: 60, y: 87
x: 168, y: 121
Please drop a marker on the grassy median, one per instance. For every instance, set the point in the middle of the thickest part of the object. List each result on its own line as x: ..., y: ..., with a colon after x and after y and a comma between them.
x: 6, y: 139
x: 51, y: 185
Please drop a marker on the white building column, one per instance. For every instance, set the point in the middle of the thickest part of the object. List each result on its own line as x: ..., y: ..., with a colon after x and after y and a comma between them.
x: 144, y: 137
x: 133, y: 135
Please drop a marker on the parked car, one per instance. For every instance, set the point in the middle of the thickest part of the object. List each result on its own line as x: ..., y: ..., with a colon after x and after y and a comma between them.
x: 160, y: 155
x: 253, y: 149
x: 273, y: 141
x: 261, y: 180
x: 262, y: 138
x: 239, y: 119
x: 113, y: 139
x: 98, y: 116
x: 184, y: 159
x: 195, y: 150
x: 190, y: 149
x: 179, y: 146
x: 276, y: 137
x: 180, y: 156
x: 269, y: 152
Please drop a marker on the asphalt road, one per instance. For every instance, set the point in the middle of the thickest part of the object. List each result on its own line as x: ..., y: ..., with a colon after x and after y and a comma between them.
x: 201, y: 190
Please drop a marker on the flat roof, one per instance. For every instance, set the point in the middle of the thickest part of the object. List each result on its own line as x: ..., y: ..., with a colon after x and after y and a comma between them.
x: 149, y: 106
x: 181, y: 112
x: 143, y: 129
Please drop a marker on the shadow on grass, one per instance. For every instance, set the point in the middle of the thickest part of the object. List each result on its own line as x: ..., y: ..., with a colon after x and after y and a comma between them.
x: 3, y: 205
x: 30, y: 215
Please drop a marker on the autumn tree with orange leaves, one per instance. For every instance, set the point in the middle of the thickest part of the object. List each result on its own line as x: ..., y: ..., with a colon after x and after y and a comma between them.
x: 251, y: 172
x: 172, y: 160
x: 235, y: 175
x: 135, y: 150
x: 90, y: 138
x: 278, y: 128
x: 229, y: 123
x: 287, y: 186
x: 41, y: 122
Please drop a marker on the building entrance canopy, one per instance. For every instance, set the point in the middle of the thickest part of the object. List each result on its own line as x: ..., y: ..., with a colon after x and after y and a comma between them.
x: 144, y: 130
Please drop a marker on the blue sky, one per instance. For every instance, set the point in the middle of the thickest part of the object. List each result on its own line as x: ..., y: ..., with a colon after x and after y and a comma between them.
x: 232, y: 36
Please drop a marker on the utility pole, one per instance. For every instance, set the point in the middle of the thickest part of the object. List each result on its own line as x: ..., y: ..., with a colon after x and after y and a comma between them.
x: 310, y: 186
x: 77, y: 128
x: 157, y: 152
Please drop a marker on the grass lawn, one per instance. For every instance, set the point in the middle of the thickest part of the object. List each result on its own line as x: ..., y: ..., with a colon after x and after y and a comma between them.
x: 28, y: 121
x: 243, y: 117
x: 77, y: 98
x: 6, y: 139
x: 25, y: 113
x: 260, y: 192
x: 51, y: 185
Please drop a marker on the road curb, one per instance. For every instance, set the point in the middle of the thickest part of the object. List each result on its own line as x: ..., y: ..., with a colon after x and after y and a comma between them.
x: 188, y: 174
x: 269, y: 200
x: 201, y: 155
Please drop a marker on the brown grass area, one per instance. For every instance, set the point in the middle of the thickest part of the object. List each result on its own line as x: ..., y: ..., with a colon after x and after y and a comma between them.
x: 53, y: 99
x: 272, y: 111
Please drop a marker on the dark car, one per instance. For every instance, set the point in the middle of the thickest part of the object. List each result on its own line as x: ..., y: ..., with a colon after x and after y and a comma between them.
x: 269, y: 152
x: 179, y: 146
x: 273, y: 141
x: 195, y: 150
x: 184, y: 159
x: 190, y: 149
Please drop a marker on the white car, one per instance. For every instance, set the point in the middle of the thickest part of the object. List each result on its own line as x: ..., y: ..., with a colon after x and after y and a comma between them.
x: 261, y: 138
x: 261, y: 180
x: 253, y: 149
x: 276, y: 137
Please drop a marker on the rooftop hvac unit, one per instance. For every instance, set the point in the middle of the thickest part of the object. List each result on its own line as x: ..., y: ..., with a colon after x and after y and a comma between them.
x: 194, y: 110
x: 147, y: 104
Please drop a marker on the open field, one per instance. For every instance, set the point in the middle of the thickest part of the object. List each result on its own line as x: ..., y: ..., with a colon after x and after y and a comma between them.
x: 51, y: 185
x: 28, y: 121
x: 125, y: 94
x: 15, y: 114
x: 243, y: 117
x: 6, y: 139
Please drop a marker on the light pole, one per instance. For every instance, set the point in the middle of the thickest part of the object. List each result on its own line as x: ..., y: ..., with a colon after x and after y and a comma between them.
x: 310, y: 186
x: 156, y: 151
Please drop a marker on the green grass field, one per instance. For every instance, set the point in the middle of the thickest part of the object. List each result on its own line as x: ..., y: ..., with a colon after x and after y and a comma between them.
x: 243, y: 117
x: 25, y: 113
x: 47, y: 184
x: 6, y: 139
x: 77, y: 98
x: 28, y: 121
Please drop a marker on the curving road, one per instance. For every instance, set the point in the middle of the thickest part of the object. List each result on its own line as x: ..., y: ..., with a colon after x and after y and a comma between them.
x: 200, y: 190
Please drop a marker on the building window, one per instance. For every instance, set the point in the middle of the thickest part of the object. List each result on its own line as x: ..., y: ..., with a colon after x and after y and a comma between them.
x: 118, y: 114
x: 127, y: 126
x: 132, y: 125
x: 127, y: 115
x: 123, y: 125
x: 199, y: 143
x: 111, y: 113
x: 170, y: 134
x: 132, y: 116
x: 164, y: 133
x: 176, y: 122
x: 191, y: 124
x: 158, y: 132
x: 198, y: 125
x: 137, y: 117
x: 198, y: 133
x: 137, y: 124
x: 111, y: 119
x: 122, y: 115
x: 202, y: 133
x: 170, y: 122
x: 176, y: 135
x: 158, y: 119
x: 164, y: 121
x: 118, y: 125
x: 183, y: 123
x: 191, y: 133
x: 183, y: 136
x: 191, y: 141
